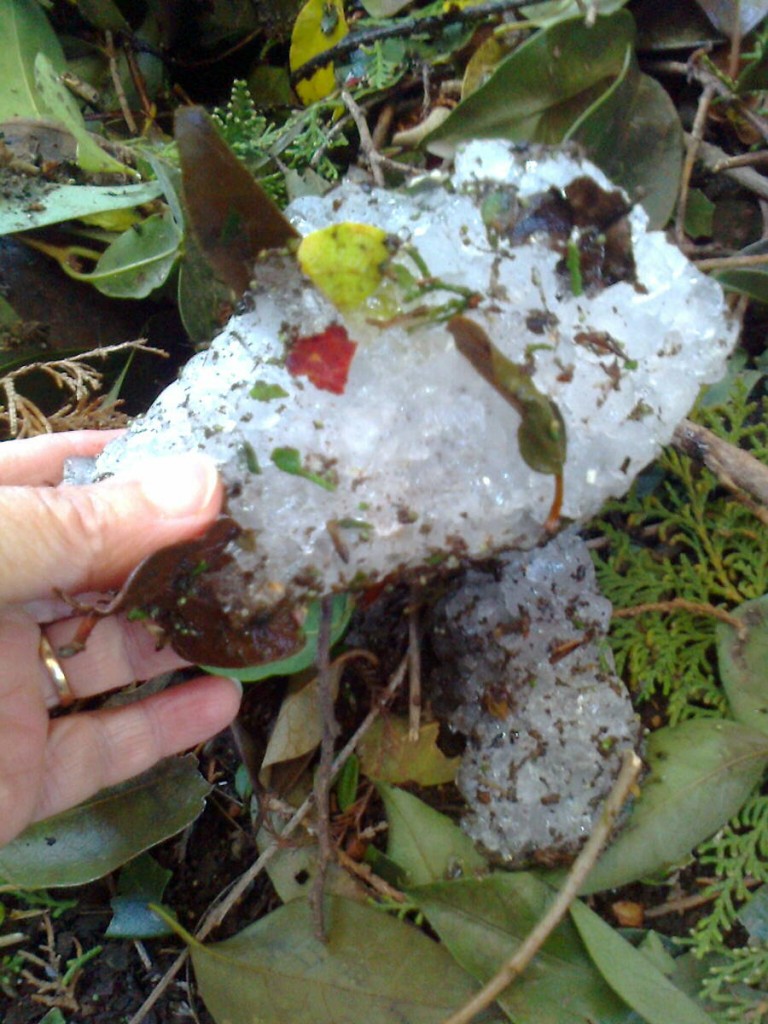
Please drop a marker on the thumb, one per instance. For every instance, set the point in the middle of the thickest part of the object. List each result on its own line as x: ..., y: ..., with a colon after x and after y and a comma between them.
x: 77, y: 539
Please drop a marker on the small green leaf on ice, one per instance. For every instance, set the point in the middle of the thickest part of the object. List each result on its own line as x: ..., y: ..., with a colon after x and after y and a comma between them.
x: 289, y: 461
x: 262, y: 391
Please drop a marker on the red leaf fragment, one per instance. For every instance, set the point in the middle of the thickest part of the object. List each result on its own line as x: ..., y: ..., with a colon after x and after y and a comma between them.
x: 325, y: 358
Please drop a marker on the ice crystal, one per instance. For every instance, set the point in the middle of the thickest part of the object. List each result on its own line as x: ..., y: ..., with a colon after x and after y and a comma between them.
x: 522, y: 658
x: 419, y: 446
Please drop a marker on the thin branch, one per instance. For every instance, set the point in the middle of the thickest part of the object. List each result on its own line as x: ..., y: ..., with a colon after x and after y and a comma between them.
x: 217, y: 913
x: 114, y: 73
x: 735, y: 469
x: 366, y: 874
x: 324, y: 772
x: 732, y: 262
x: 718, y: 161
x: 514, y: 967
x: 414, y: 671
x: 366, y: 142
x: 693, y: 141
x: 680, y: 604
x: 684, y: 903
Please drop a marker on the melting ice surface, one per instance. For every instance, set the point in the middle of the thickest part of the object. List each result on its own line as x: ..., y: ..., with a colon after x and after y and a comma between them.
x: 523, y: 661
x: 421, y: 452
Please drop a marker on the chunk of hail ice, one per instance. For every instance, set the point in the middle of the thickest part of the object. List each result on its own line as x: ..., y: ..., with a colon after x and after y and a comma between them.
x: 525, y: 672
x: 397, y: 454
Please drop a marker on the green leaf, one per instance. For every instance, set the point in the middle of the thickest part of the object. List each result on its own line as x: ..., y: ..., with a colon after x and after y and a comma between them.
x: 289, y: 461
x: 384, y: 8
x: 538, y: 92
x: 115, y: 825
x: 753, y: 916
x: 754, y: 75
x: 200, y: 294
x: 744, y: 663
x: 138, y: 261
x: 25, y: 32
x: 553, y: 11
x: 388, y: 754
x: 103, y: 14
x: 169, y: 178
x: 347, y: 783
x: 63, y: 107
x: 634, y: 134
x: 39, y: 205
x: 373, y: 968
x: 736, y: 378
x: 8, y: 315
x: 425, y: 844
x: 262, y: 391
x: 298, y: 729
x: 632, y: 975
x: 751, y: 281
x: 141, y: 882
x: 702, y: 771
x: 54, y: 1016
x: 541, y: 435
x: 341, y: 612
x: 699, y: 214
x: 483, y: 922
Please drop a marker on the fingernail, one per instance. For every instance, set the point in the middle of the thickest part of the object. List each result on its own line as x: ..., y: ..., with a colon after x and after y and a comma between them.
x: 180, y: 484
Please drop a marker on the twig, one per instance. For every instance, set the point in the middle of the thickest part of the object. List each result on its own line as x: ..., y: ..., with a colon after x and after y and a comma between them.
x: 217, y: 913
x: 684, y: 903
x: 140, y: 86
x: 693, y: 141
x: 414, y: 671
x: 324, y: 772
x: 366, y: 142
x: 380, y: 131
x: 118, y: 85
x: 732, y: 262
x: 703, y: 72
x: 514, y: 967
x: 718, y: 161
x: 404, y: 27
x: 680, y: 604
x: 750, y: 159
x: 335, y: 130
x: 735, y: 468
x: 366, y: 873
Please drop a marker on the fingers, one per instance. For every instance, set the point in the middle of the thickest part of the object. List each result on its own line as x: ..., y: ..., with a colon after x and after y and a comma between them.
x: 23, y: 724
x: 40, y: 460
x: 89, y: 538
x: 87, y: 752
x: 118, y: 652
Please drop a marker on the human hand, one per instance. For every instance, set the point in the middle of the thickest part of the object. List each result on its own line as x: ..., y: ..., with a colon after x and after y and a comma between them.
x: 78, y: 540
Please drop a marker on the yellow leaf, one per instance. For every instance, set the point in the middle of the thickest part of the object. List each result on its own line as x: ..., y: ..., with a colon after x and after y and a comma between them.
x: 319, y: 26
x: 387, y: 754
x: 345, y: 261
x: 113, y: 220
